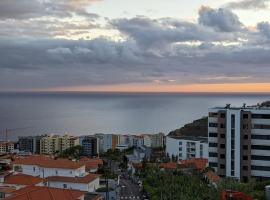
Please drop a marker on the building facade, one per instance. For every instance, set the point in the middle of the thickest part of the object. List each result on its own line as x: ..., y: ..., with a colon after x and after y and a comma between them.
x: 90, y: 145
x: 30, y: 143
x: 185, y: 147
x: 239, y: 141
x: 55, y: 143
x: 157, y: 140
x: 6, y: 147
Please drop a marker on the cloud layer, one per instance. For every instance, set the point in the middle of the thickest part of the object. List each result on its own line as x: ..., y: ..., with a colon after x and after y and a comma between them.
x: 40, y: 47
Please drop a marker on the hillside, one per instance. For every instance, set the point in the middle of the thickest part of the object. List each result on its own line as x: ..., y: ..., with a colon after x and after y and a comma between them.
x: 198, y: 127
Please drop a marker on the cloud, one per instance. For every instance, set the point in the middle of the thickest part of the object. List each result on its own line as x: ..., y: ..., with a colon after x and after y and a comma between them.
x: 25, y: 9
x: 153, y: 33
x: 264, y: 29
x: 142, y: 49
x: 248, y: 4
x: 220, y: 19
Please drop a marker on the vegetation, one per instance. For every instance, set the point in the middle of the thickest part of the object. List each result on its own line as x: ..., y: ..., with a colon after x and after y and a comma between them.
x: 196, y: 128
x: 104, y: 189
x: 253, y: 188
x: 162, y: 185
x: 73, y: 152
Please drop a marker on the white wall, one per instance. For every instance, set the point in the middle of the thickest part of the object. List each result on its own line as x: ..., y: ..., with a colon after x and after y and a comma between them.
x: 174, y: 148
x: 45, y: 172
x: 89, y: 187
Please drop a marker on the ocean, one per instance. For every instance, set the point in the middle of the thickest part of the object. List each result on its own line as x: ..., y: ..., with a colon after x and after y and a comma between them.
x: 120, y: 113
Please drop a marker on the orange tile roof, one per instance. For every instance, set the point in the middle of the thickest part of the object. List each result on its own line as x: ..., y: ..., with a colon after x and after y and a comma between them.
x: 85, y: 179
x: 22, y: 179
x: 7, y: 189
x: 91, y: 163
x: 45, y: 193
x: 92, y: 160
x: 48, y: 162
x: 212, y: 176
x: 200, y: 163
x: 169, y: 165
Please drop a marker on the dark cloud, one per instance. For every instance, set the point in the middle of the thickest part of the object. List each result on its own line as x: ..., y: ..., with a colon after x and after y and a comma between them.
x: 55, y: 63
x: 220, y: 19
x: 248, y: 4
x: 163, y: 32
x: 217, y: 49
x: 264, y: 29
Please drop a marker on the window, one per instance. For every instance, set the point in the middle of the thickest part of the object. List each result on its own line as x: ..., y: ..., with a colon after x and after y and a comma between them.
x: 212, y: 114
x: 213, y: 144
x: 222, y: 125
x: 233, y: 121
x: 70, y: 172
x: 222, y: 156
x: 245, y: 168
x: 180, y: 142
x: 213, y: 154
x: 245, y: 157
x: 180, y: 149
x: 212, y: 164
x: 56, y: 172
x: 180, y: 155
x: 222, y: 115
x: 222, y: 146
x: 245, y: 147
x: 221, y: 166
x: 34, y: 169
x: 261, y: 116
x: 255, y: 157
x: 245, y: 116
x: 222, y: 135
x: 64, y: 186
x: 260, y: 137
x: 213, y: 134
x: 261, y: 126
x: 260, y: 147
x: 245, y: 137
x: 260, y: 168
x: 245, y: 126
x: 213, y: 125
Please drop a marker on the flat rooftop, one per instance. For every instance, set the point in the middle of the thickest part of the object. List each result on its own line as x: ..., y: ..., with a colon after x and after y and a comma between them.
x: 260, y: 106
x: 195, y: 138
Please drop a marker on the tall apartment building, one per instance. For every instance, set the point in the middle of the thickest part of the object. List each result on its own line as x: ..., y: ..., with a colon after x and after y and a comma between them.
x: 157, y: 140
x: 55, y: 143
x: 239, y: 141
x: 49, y: 144
x: 147, y: 140
x: 186, y: 147
x: 67, y: 141
x: 90, y: 145
x: 126, y: 140
x: 30, y: 143
x: 6, y: 147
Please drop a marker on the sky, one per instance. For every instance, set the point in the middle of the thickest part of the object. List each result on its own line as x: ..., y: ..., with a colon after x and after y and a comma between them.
x: 135, y: 46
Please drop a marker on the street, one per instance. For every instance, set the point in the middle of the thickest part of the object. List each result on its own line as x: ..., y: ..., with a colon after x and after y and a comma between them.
x: 129, y: 190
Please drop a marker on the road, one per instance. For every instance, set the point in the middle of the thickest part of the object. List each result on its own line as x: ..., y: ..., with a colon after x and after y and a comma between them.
x: 129, y: 190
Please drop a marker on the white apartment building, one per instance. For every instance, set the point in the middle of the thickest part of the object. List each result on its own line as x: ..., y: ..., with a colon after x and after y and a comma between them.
x: 147, y: 140
x: 239, y: 141
x: 186, y: 147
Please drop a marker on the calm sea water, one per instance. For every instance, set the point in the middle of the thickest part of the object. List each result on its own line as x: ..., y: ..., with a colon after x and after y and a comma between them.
x: 88, y: 113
